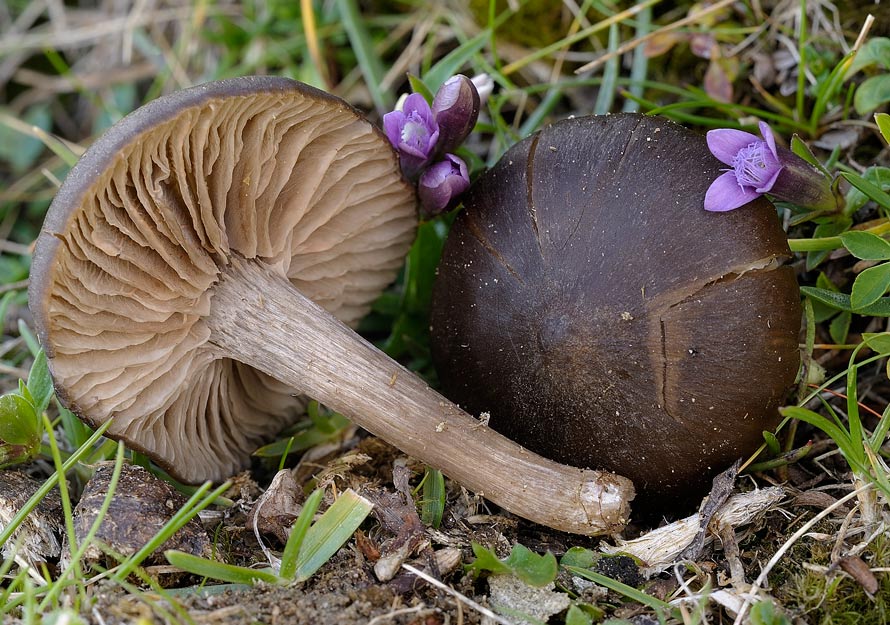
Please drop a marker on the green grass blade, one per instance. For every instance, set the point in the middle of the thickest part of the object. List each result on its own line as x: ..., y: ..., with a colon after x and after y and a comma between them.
x: 433, y: 502
x: 868, y: 188
x: 605, y: 97
x: 623, y: 589
x: 639, y: 67
x: 298, y: 534
x: 40, y: 384
x: 64, y: 495
x: 451, y: 63
x: 880, y: 433
x: 218, y: 570
x: 333, y: 529
x: 857, y: 435
x: 367, y: 57
x: 839, y: 436
x: 74, y: 564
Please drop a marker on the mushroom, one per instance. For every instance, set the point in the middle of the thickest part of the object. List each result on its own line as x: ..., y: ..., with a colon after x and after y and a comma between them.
x: 202, y: 263
x: 588, y: 302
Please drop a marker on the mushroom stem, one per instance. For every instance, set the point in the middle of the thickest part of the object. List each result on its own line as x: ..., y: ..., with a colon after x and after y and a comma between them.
x: 260, y: 319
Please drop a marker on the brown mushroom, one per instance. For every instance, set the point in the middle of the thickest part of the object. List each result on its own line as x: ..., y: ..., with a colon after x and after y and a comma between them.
x: 185, y: 278
x: 604, y: 319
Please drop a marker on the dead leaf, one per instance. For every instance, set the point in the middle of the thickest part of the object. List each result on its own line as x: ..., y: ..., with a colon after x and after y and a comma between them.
x: 660, y: 44
x: 856, y: 568
x: 277, y: 508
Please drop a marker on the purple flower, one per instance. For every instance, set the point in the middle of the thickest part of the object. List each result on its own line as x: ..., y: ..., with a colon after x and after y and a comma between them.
x: 758, y: 167
x: 413, y: 131
x: 441, y: 184
x: 455, y: 109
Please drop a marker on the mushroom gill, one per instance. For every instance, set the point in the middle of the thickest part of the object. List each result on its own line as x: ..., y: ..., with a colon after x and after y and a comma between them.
x: 134, y: 243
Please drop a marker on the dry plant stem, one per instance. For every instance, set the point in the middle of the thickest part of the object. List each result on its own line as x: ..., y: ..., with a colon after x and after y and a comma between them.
x: 260, y: 319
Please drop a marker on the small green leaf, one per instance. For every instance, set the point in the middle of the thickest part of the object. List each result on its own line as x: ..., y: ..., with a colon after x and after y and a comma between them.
x: 865, y: 245
x: 841, y: 301
x: 533, y: 569
x: 580, y: 557
x: 20, y: 430
x: 875, y: 51
x: 772, y: 443
x: 883, y: 122
x: 803, y: 150
x: 218, y: 570
x: 20, y: 141
x: 765, y: 613
x: 877, y: 341
x: 418, y: 86
x: 839, y: 327
x: 486, y: 560
x: 577, y: 616
x: 872, y: 93
x: 40, y: 383
x: 870, y: 285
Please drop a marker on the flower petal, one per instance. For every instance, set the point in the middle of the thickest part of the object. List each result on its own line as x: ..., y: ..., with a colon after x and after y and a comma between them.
x: 767, y: 133
x: 766, y: 186
x: 416, y: 102
x: 392, y: 124
x: 725, y: 143
x: 441, y: 184
x: 725, y: 194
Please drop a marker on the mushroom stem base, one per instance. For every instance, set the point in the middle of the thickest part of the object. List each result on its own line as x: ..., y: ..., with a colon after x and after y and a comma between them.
x: 260, y: 319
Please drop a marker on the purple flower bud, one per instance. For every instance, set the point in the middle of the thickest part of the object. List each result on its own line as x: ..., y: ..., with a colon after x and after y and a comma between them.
x: 441, y: 184
x: 455, y: 108
x: 413, y: 132
x: 758, y: 167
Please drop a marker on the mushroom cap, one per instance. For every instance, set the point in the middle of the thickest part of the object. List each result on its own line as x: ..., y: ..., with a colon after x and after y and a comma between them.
x: 588, y: 302
x: 124, y: 269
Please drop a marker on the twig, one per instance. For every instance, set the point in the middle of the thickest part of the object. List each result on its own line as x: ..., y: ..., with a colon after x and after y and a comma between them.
x: 755, y: 587
x: 12, y: 247
x: 429, y: 579
x: 377, y: 620
x: 15, y: 286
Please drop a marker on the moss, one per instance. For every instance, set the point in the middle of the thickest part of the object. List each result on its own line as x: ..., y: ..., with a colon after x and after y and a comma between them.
x: 834, y: 598
x: 536, y: 24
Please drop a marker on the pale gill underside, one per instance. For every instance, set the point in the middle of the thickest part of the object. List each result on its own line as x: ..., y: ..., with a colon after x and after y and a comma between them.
x: 303, y: 187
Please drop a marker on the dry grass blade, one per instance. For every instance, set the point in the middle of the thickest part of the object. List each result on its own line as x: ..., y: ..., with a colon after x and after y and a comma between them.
x: 755, y: 587
x: 634, y: 43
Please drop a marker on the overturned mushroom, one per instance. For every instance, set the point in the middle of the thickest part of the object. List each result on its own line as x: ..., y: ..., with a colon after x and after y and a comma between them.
x: 604, y: 319
x: 188, y: 276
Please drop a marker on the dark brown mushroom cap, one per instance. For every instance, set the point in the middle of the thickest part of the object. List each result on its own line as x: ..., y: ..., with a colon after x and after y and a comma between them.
x: 588, y: 302
x: 259, y: 168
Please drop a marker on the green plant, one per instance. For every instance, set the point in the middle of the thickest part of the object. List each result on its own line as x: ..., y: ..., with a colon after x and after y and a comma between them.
x: 532, y: 568
x: 20, y: 415
x: 308, y: 547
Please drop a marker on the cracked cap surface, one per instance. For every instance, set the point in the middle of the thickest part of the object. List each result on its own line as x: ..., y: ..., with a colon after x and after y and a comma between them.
x: 605, y: 319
